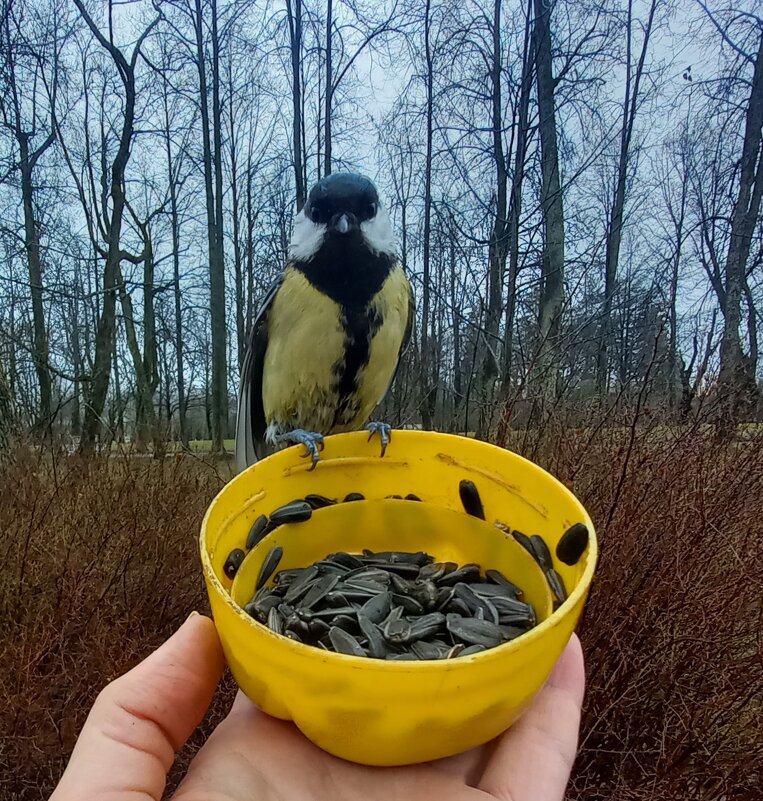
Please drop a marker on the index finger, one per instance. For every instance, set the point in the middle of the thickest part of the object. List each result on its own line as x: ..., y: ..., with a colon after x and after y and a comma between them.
x: 534, y: 758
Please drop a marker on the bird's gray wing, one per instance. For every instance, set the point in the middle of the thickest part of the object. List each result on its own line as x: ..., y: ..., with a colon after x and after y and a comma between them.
x: 250, y: 415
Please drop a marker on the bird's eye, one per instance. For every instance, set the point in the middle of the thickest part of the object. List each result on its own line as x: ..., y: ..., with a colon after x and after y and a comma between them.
x: 371, y: 210
x: 316, y: 214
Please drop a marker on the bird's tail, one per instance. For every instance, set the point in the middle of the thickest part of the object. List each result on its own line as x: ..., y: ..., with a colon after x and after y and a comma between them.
x: 245, y: 452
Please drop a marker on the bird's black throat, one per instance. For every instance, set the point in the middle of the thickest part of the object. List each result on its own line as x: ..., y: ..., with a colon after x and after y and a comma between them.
x: 345, y: 270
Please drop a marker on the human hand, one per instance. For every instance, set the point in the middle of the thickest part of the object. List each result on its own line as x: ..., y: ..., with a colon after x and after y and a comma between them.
x: 141, y: 719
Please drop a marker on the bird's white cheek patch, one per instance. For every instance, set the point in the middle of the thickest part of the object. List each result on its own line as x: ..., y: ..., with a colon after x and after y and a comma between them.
x: 379, y: 235
x: 306, y: 238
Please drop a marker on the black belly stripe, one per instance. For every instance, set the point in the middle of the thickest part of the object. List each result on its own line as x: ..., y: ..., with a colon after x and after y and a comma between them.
x: 360, y: 326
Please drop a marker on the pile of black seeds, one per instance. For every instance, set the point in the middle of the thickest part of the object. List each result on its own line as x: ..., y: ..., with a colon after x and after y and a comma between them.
x: 397, y: 605
x: 390, y: 605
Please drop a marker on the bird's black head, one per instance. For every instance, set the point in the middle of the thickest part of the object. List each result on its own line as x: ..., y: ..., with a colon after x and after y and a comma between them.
x: 342, y: 214
x: 342, y: 201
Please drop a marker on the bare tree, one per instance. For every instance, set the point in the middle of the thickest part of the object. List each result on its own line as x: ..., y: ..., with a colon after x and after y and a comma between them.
x: 615, y: 221
x: 106, y: 332
x: 23, y: 115
x: 213, y: 179
x: 552, y: 263
x: 735, y: 384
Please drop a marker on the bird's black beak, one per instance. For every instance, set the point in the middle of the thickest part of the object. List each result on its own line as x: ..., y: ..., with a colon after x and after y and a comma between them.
x: 344, y: 223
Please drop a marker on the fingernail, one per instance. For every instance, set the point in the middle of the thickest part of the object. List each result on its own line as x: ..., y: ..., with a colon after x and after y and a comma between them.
x: 191, y: 616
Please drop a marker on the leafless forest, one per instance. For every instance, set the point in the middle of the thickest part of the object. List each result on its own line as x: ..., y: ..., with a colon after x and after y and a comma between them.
x: 576, y: 185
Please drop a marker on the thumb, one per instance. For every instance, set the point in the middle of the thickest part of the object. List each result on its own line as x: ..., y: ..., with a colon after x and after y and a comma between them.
x: 141, y: 719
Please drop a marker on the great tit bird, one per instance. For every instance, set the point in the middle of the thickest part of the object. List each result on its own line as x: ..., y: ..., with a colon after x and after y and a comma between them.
x: 327, y: 339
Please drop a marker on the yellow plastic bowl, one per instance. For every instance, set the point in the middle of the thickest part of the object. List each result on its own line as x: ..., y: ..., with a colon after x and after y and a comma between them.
x: 378, y: 712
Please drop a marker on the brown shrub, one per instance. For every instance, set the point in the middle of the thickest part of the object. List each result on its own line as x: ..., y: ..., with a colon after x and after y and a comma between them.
x: 672, y: 632
x: 100, y: 566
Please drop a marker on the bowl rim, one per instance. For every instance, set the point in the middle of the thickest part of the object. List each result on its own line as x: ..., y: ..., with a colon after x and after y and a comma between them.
x: 497, y: 652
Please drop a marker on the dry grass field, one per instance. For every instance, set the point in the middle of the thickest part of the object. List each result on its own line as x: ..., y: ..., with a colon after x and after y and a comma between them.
x: 99, y: 565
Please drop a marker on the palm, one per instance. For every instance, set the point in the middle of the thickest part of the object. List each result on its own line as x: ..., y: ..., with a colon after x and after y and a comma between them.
x: 253, y: 756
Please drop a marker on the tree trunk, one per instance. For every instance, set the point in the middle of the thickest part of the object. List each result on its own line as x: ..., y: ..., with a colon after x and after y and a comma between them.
x: 615, y: 222
x: 237, y: 260
x: 24, y: 132
x: 497, y: 245
x: 294, y: 14
x: 552, y: 267
x: 515, y: 206
x: 175, y: 227
x: 8, y: 423
x: 32, y: 243
x: 145, y: 416
x: 429, y: 390
x: 456, y: 326
x: 329, y: 89
x: 736, y: 387
x: 218, y: 394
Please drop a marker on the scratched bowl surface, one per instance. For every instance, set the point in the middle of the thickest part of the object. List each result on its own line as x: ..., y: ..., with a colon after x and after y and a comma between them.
x: 379, y: 712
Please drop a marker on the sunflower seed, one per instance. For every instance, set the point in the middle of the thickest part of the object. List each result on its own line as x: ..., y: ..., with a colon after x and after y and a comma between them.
x: 269, y: 565
x: 465, y: 573
x: 345, y: 643
x: 557, y: 585
x: 261, y: 604
x: 299, y: 587
x: 502, y: 581
x: 376, y: 647
x: 354, y: 496
x: 347, y: 623
x: 256, y: 532
x: 373, y: 587
x: 345, y: 560
x: 472, y: 649
x: 475, y: 632
x: 411, y: 497
x: 293, y: 512
x: 319, y: 590
x: 573, y: 542
x: 506, y: 606
x: 330, y: 614
x: 319, y: 501
x: 542, y: 553
x: 275, y: 621
x: 284, y: 578
x: 524, y: 541
x: 437, y: 570
x: 400, y: 569
x: 410, y: 605
x: 377, y: 608
x: 399, y: 557
x: 470, y: 498
x: 511, y: 632
x: 233, y: 562
x: 427, y: 650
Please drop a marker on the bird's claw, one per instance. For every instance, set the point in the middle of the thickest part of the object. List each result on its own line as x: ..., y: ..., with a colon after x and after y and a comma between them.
x: 384, y: 430
x: 312, y: 441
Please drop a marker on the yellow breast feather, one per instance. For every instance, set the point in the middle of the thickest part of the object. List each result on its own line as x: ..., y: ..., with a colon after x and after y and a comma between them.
x: 305, y: 340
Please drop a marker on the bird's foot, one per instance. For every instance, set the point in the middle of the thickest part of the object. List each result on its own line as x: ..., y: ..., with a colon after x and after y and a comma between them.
x: 384, y: 430
x: 312, y: 441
